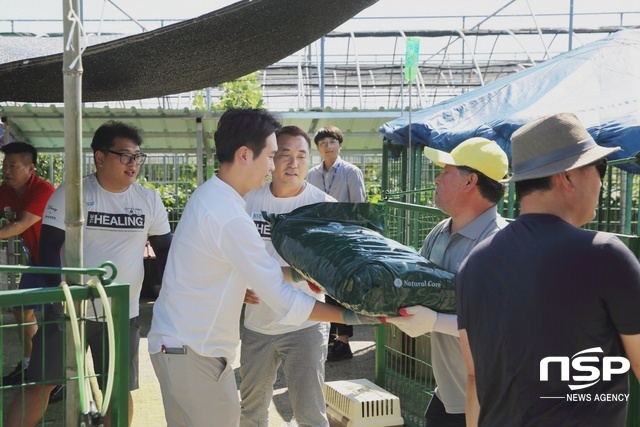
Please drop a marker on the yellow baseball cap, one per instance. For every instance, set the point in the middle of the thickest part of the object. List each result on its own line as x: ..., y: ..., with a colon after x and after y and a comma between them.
x: 477, y: 153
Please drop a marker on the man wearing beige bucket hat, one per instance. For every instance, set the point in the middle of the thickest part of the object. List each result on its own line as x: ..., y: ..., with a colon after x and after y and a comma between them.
x: 467, y: 190
x: 548, y: 311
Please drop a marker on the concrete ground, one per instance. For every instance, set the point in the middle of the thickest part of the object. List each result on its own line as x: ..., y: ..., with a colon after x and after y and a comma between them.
x: 148, y: 401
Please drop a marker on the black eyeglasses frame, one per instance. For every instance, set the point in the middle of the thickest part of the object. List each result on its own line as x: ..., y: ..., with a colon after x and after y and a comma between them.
x: 138, y: 158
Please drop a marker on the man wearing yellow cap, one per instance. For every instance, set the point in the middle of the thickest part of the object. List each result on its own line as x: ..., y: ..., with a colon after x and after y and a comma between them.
x: 468, y: 190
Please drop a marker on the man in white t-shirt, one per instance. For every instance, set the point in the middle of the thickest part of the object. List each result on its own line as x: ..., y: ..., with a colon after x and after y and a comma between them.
x: 215, y: 255
x: 120, y: 216
x: 266, y: 344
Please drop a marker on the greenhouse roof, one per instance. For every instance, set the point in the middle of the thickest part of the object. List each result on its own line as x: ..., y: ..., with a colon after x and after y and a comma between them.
x: 167, y: 131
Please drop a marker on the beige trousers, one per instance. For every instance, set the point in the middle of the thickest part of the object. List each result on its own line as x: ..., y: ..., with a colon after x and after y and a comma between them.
x: 197, y: 391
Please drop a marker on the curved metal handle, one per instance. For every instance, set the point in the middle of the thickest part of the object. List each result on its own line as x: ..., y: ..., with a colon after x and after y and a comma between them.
x: 100, y: 272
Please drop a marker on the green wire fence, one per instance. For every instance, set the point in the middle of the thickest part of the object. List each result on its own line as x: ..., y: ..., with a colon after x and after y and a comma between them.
x: 119, y: 296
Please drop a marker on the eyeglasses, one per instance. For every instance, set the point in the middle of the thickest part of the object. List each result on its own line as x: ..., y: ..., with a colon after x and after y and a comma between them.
x: 327, y: 143
x: 127, y: 158
x: 601, y: 167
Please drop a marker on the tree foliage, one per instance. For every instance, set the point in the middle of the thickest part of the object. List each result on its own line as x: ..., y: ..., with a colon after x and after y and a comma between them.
x: 244, y: 92
x: 50, y: 167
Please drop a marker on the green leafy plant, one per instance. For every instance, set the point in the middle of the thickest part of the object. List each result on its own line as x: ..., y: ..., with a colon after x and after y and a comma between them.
x: 244, y: 92
x: 50, y: 167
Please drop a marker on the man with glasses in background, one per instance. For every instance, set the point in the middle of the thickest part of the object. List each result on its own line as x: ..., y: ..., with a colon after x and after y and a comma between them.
x: 345, y: 183
x: 120, y: 215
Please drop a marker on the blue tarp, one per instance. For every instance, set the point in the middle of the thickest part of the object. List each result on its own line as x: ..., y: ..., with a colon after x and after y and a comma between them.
x: 600, y: 82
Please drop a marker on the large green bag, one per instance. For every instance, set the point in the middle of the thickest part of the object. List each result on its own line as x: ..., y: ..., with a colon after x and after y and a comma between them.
x: 338, y: 247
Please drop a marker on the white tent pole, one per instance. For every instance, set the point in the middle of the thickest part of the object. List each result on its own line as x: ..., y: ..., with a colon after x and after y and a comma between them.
x: 72, y: 71
x: 72, y: 81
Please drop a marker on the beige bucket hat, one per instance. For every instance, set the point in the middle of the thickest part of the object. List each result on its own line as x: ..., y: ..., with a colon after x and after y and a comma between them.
x: 551, y: 145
